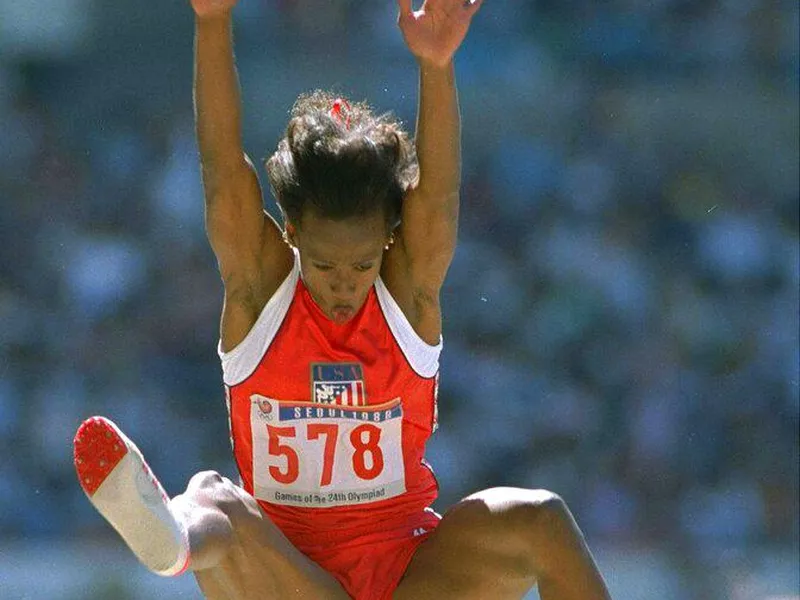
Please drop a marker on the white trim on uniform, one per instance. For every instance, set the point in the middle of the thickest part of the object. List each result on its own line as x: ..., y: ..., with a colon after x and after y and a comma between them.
x: 422, y: 357
x: 240, y: 362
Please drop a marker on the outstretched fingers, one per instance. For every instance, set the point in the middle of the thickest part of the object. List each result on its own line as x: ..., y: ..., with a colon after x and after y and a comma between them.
x: 452, y: 7
x: 473, y: 6
x: 406, y: 7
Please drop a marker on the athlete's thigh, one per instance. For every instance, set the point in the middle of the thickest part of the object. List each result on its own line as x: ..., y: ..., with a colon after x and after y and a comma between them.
x: 478, y: 551
x: 261, y: 562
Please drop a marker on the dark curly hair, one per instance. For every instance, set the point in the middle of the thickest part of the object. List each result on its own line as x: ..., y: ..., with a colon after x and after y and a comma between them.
x: 341, y: 163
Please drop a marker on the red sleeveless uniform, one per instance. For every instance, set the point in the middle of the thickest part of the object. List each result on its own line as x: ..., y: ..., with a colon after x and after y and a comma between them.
x: 329, y: 424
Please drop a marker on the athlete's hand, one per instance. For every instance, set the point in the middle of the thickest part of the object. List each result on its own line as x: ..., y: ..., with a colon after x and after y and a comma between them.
x: 435, y: 31
x: 212, y: 8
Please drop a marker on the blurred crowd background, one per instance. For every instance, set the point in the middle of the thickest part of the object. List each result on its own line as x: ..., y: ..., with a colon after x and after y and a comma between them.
x: 621, y: 318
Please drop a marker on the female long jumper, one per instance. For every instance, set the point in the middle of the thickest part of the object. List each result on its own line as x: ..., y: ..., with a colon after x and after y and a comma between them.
x: 330, y: 340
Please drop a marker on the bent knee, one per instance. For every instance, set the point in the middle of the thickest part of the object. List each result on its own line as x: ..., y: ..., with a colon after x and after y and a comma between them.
x: 204, y: 480
x: 211, y: 490
x: 502, y: 497
x: 514, y: 506
x: 518, y: 516
x: 508, y: 523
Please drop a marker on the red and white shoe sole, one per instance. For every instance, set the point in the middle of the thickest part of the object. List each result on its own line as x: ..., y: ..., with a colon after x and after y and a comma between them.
x: 121, y: 486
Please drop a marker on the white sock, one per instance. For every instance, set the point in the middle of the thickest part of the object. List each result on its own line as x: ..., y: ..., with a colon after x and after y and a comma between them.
x: 121, y: 486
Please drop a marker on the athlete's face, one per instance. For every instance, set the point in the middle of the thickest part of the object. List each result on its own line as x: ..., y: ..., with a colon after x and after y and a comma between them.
x: 340, y: 260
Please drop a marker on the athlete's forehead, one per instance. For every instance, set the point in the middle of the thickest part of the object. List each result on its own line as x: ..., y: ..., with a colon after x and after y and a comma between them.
x: 336, y: 258
x: 346, y: 241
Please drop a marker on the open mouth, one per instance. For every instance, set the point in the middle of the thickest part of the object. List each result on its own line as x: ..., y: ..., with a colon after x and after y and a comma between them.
x: 342, y: 313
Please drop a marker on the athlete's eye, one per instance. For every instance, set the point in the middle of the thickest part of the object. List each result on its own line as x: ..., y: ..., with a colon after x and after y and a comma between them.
x: 322, y: 267
x: 364, y: 267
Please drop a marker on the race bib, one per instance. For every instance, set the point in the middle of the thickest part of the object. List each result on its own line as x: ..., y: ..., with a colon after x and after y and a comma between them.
x: 312, y: 455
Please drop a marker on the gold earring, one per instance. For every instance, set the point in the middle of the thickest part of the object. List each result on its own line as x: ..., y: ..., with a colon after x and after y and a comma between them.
x: 390, y: 242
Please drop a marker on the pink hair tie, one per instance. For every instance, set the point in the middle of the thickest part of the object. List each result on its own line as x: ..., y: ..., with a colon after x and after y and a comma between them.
x: 336, y: 112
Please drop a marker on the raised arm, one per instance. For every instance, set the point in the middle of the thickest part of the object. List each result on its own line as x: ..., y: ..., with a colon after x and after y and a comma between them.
x: 247, y: 243
x: 427, y: 238
x: 430, y: 212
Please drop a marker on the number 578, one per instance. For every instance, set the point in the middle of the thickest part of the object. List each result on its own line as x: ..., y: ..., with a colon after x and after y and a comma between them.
x: 365, y: 440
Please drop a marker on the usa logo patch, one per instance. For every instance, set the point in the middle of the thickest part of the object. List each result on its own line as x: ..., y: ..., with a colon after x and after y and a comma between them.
x: 341, y: 384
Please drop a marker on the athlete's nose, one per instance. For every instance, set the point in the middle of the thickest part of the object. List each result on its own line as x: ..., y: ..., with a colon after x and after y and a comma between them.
x: 342, y: 285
